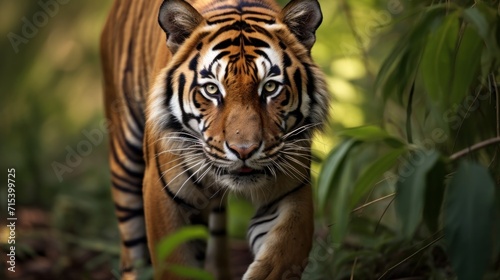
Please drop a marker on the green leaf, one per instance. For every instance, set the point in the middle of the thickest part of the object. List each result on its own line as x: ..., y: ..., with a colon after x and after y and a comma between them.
x: 340, y: 210
x: 478, y: 19
x: 484, y: 19
x: 436, y: 67
x: 190, y: 272
x: 172, y: 241
x: 468, y: 219
x: 368, y: 133
x: 434, y: 194
x: 398, y: 69
x: 410, y: 188
x: 330, y: 171
x: 467, y: 61
x: 372, y: 173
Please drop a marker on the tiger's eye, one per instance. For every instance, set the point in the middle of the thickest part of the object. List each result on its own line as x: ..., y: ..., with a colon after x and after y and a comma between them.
x: 211, y: 89
x: 270, y: 86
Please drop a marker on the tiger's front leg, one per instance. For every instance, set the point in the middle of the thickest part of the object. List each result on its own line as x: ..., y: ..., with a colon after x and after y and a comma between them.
x: 175, y: 196
x: 165, y: 214
x: 280, y: 236
x: 163, y: 217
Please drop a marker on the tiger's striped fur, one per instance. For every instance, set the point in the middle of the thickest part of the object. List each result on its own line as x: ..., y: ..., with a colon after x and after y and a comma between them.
x: 229, y: 102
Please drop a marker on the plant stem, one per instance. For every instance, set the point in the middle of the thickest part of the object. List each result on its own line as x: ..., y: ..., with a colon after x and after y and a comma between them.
x: 475, y: 147
x: 373, y: 201
x: 410, y: 256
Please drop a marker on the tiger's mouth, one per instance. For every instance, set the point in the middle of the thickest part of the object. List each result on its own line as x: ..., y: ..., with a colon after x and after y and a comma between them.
x: 245, y: 171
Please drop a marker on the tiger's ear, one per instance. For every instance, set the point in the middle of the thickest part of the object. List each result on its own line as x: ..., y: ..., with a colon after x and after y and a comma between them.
x: 178, y: 19
x: 303, y: 17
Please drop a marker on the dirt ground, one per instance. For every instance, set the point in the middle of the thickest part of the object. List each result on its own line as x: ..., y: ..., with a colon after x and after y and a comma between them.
x: 42, y: 255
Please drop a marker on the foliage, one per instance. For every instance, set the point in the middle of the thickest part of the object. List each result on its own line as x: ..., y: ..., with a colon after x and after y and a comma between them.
x: 439, y: 86
x: 176, y: 239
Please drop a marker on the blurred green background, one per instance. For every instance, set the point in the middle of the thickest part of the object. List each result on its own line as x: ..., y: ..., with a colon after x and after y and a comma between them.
x: 51, y: 100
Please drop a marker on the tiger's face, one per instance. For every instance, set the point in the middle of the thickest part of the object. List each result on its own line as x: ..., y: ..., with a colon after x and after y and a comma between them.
x: 244, y: 93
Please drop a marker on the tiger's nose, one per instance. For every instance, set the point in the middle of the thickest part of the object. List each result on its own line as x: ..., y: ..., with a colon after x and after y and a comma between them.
x: 243, y: 151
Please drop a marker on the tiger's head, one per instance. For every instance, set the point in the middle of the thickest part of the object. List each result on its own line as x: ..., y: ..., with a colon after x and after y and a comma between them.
x: 240, y: 95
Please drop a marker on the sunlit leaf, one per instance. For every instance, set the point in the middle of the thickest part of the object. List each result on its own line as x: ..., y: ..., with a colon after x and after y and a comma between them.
x: 372, y: 173
x: 411, y: 187
x: 436, y: 67
x: 368, y: 133
x: 330, y: 172
x: 468, y: 219
x: 183, y: 235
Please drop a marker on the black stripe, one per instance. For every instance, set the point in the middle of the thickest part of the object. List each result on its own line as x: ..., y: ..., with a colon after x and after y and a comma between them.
x: 186, y: 117
x: 287, y: 99
x: 124, y: 219
x: 192, y: 177
x: 131, y: 213
x: 173, y: 124
x: 287, y: 61
x: 262, y: 31
x: 137, y: 117
x: 193, y: 66
x: 135, y: 242
x: 169, y: 91
x: 252, y: 41
x: 253, y: 225
x: 256, y: 19
x: 297, y: 79
x: 311, y: 88
x: 268, y: 206
x: 127, y: 209
x: 126, y: 190
x: 129, y: 172
x: 213, y: 22
x: 264, y: 54
x: 226, y: 44
x: 175, y: 198
x: 132, y: 152
x: 129, y: 217
x: 135, y: 182
x: 297, y: 113
x: 223, y: 31
x: 257, y: 237
x: 219, y: 56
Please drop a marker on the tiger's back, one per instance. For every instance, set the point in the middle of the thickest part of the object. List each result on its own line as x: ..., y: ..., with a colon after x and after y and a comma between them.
x: 226, y: 101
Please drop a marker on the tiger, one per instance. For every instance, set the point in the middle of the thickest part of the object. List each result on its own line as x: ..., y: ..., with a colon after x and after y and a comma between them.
x: 206, y: 97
